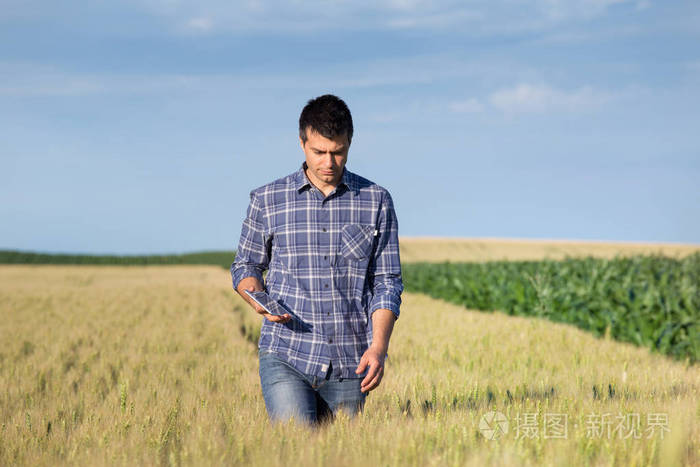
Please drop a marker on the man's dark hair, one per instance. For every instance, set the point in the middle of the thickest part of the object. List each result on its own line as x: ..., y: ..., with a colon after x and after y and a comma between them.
x: 328, y: 116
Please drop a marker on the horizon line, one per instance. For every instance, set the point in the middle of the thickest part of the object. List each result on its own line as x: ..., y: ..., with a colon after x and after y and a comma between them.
x: 417, y: 238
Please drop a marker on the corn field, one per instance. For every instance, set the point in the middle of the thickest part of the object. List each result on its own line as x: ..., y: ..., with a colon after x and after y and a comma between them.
x: 652, y: 301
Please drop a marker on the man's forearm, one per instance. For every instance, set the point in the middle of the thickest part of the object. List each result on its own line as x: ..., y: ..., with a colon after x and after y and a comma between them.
x: 245, y: 284
x: 382, y: 326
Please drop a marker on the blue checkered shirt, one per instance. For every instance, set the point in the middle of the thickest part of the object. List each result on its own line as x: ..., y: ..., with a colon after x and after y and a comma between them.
x: 331, y: 262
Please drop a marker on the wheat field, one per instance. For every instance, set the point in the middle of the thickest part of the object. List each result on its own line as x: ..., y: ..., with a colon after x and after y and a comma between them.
x: 157, y: 365
x: 438, y: 249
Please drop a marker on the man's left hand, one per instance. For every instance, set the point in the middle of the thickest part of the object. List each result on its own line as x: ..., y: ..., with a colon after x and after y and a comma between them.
x: 374, y: 359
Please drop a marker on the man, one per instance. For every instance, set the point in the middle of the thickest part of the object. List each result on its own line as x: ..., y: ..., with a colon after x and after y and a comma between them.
x: 328, y: 239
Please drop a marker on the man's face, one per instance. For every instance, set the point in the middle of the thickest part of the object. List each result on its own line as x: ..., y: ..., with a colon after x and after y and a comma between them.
x: 325, y: 158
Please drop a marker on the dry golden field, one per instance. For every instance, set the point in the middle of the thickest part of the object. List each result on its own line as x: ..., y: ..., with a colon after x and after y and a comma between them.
x: 433, y: 249
x: 105, y: 365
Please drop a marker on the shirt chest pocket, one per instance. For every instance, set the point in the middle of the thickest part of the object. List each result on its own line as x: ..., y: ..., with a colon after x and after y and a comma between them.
x: 357, y: 241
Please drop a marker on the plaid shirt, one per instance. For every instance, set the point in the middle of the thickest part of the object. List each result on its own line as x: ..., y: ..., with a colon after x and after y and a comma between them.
x: 331, y: 263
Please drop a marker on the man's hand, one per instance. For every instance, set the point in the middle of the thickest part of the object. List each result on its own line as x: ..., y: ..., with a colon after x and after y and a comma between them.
x: 383, y: 324
x: 374, y: 359
x: 252, y: 284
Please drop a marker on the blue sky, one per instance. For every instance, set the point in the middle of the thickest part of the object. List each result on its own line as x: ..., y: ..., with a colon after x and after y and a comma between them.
x: 141, y: 126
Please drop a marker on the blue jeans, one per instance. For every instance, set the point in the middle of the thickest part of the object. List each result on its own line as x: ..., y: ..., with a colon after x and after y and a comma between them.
x: 309, y: 399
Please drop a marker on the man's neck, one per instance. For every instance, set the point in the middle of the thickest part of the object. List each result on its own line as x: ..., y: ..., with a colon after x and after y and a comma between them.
x: 325, y: 188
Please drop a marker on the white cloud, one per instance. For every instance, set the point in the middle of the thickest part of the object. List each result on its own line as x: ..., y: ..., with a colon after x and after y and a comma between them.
x: 19, y: 79
x: 28, y: 79
x: 22, y: 80
x: 405, y: 4
x: 693, y: 66
x: 201, y: 24
x: 32, y: 79
x: 435, y: 20
x: 531, y: 98
x: 643, y: 4
x: 477, y: 16
x: 585, y: 9
x: 471, y: 105
x: 385, y: 117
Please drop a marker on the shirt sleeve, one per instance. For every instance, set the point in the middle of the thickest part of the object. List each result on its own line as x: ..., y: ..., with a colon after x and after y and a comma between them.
x: 253, y: 254
x: 386, y: 264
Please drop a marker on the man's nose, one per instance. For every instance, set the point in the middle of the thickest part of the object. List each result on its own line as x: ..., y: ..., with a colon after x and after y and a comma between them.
x: 328, y: 159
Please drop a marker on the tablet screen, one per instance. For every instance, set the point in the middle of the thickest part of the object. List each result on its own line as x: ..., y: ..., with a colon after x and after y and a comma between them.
x: 264, y: 300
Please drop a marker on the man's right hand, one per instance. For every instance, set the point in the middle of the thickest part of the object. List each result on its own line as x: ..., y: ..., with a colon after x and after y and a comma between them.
x: 252, y: 284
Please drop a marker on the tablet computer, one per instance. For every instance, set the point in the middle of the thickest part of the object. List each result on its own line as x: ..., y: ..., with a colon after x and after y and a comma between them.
x: 270, y: 305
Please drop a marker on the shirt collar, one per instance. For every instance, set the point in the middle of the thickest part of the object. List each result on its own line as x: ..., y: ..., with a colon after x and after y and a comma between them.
x: 348, y: 179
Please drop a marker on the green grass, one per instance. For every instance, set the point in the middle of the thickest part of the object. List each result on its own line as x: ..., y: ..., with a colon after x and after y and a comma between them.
x: 219, y: 258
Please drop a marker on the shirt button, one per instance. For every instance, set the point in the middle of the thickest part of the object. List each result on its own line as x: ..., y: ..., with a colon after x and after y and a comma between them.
x: 326, y: 285
x: 328, y: 313
x: 325, y: 257
x: 324, y: 229
x: 330, y: 341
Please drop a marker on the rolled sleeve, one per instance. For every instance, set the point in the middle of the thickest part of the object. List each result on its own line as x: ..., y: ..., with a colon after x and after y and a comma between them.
x: 386, y: 264
x: 252, y: 256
